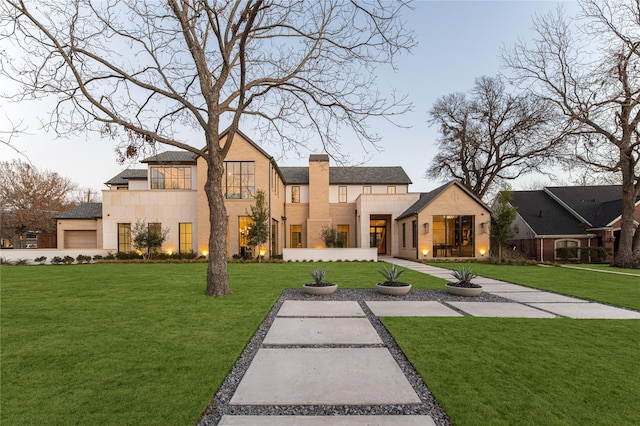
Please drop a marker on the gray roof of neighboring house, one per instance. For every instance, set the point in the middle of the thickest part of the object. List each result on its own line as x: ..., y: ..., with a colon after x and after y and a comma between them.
x: 544, y: 214
x: 598, y: 205
x: 173, y: 157
x: 83, y: 211
x: 380, y: 175
x: 125, y: 176
x: 427, y: 197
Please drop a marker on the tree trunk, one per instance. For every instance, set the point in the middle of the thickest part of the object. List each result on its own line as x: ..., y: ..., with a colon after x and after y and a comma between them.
x: 625, y: 256
x: 217, y: 280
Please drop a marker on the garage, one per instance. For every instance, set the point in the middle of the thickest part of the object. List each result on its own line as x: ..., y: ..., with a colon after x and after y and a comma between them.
x: 80, y: 239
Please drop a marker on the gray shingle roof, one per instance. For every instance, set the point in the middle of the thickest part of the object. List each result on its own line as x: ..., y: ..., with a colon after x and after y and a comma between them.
x: 380, y: 175
x: 544, y: 214
x: 598, y: 205
x: 125, y: 176
x: 172, y: 157
x: 83, y: 211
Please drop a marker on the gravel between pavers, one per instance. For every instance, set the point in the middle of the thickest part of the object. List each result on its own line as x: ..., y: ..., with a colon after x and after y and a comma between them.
x: 219, y: 406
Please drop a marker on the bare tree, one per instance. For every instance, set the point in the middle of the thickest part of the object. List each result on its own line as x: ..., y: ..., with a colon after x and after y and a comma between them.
x: 490, y: 136
x: 154, y: 72
x: 590, y: 73
x: 30, y: 198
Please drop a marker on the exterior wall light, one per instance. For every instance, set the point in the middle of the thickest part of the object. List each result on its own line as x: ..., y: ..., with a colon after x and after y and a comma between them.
x: 425, y: 252
x: 482, y: 251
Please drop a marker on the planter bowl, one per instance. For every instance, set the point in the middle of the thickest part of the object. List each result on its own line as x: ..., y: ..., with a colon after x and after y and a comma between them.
x: 464, y: 291
x: 393, y: 290
x: 320, y: 290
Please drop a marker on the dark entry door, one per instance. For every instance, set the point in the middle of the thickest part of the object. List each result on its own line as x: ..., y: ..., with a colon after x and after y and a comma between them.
x: 378, y: 235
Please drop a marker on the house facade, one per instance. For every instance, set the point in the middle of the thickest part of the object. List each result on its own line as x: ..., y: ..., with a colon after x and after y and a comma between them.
x: 369, y: 206
x: 570, y: 222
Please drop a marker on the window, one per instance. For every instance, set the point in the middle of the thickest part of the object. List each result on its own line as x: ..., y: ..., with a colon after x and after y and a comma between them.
x: 366, y: 189
x: 342, y: 194
x: 391, y: 189
x: 453, y: 236
x: 274, y: 237
x: 295, y: 194
x: 414, y: 234
x: 343, y: 233
x: 566, y: 249
x: 244, y: 225
x: 185, y: 238
x: 239, y: 179
x: 296, y: 236
x: 171, y: 177
x: 404, y: 235
x: 124, y: 237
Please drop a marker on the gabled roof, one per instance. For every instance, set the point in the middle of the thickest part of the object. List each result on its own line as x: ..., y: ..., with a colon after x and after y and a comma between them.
x: 595, y: 205
x: 172, y: 157
x: 380, y: 175
x: 83, y: 211
x: 426, y: 199
x: 569, y: 210
x: 125, y: 176
x: 544, y: 214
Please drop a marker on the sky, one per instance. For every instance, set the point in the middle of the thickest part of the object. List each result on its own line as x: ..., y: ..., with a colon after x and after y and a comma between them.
x: 457, y: 41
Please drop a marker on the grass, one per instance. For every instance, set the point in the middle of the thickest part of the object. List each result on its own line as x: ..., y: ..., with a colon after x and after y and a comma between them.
x: 134, y: 343
x: 619, y: 290
x: 141, y: 344
x: 606, y: 268
x: 527, y: 371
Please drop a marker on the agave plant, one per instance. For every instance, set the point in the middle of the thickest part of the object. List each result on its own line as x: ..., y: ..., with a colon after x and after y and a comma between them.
x: 464, y: 275
x: 318, y: 276
x: 391, y: 275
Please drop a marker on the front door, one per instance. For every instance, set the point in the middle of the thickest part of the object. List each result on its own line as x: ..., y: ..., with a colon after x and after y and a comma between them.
x: 378, y: 235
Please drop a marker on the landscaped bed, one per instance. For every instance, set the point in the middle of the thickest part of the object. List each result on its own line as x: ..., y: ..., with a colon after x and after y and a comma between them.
x: 139, y: 344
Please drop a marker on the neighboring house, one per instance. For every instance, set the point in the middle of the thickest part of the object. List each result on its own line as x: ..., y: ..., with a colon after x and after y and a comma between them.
x: 368, y: 205
x: 573, y: 217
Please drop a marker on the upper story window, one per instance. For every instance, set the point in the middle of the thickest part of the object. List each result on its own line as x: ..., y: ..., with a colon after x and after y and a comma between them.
x: 342, y: 194
x: 239, y: 179
x: 171, y: 177
x: 295, y: 194
x: 391, y: 189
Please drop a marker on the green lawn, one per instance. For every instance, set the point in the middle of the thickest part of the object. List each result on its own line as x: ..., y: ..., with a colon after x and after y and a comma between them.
x: 135, y: 344
x: 141, y: 344
x: 502, y: 371
x: 620, y: 290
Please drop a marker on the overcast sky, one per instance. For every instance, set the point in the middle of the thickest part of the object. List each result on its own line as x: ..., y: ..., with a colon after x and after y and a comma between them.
x: 457, y: 42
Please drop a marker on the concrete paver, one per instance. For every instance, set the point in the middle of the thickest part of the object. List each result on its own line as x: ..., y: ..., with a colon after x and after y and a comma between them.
x: 504, y: 287
x: 302, y: 308
x: 327, y: 421
x: 331, y: 376
x: 321, y: 331
x: 588, y: 310
x: 538, y: 296
x: 500, y: 310
x: 411, y: 309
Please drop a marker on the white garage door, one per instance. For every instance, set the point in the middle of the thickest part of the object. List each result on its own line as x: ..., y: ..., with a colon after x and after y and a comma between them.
x: 80, y: 239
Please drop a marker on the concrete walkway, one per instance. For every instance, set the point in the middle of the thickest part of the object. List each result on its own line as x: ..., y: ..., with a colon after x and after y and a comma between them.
x: 335, y: 354
x: 531, y: 302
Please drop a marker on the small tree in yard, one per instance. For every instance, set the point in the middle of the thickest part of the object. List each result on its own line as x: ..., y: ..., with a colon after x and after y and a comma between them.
x: 259, y: 232
x: 502, y: 228
x: 148, y: 238
x: 331, y: 237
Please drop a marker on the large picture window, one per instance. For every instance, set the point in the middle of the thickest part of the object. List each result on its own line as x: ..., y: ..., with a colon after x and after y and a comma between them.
x: 295, y: 194
x: 171, y: 177
x: 453, y: 236
x: 186, y: 238
x: 124, y: 237
x: 239, y: 179
x: 296, y: 236
x: 567, y: 249
x: 244, y: 226
x: 343, y: 231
